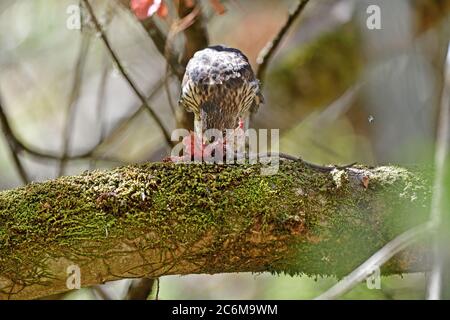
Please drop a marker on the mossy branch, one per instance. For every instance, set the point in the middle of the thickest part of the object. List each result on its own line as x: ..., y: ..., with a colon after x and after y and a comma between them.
x: 158, y: 219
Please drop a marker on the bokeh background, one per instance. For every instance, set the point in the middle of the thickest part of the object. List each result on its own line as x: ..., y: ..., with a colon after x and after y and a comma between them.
x: 338, y: 91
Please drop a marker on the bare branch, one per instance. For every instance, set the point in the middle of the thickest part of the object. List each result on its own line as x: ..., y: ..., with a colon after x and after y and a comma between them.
x: 125, y: 74
x: 48, y: 155
x: 73, y: 98
x: 438, y: 286
x: 23, y: 146
x: 123, y: 123
x: 268, y: 51
x: 196, y: 38
x: 376, y: 261
x: 140, y: 289
x: 14, y: 148
x: 338, y: 107
x: 195, y: 32
x: 93, y: 153
x: 101, y: 293
x: 159, y: 39
x: 167, y: 89
x: 100, y: 107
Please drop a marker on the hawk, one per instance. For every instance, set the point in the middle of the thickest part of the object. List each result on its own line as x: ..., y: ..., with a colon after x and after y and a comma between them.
x: 220, y: 88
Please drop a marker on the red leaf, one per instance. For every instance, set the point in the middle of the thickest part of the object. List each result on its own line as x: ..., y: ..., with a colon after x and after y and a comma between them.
x: 140, y: 8
x: 218, y: 6
x: 146, y: 8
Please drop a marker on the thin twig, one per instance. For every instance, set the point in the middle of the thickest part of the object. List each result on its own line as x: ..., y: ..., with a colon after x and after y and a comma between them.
x: 268, y: 51
x: 376, y: 261
x: 329, y: 115
x: 125, y: 74
x: 189, y: 20
x: 167, y: 89
x: 125, y: 121
x: 140, y: 289
x: 286, y: 156
x: 21, y: 146
x: 159, y: 39
x: 438, y: 286
x: 194, y: 29
x: 101, y: 293
x: 93, y: 153
x: 13, y: 147
x: 312, y: 165
x: 338, y: 107
x: 196, y: 38
x: 48, y: 155
x: 157, y: 288
x: 100, y: 108
x: 73, y: 98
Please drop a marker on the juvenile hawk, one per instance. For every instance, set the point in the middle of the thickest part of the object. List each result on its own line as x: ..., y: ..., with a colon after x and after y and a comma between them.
x: 220, y: 88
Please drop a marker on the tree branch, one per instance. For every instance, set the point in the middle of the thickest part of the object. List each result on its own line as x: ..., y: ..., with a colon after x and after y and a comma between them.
x: 438, y: 282
x: 159, y: 39
x: 73, y: 98
x: 12, y: 145
x: 157, y: 219
x: 20, y: 146
x: 124, y: 73
x: 196, y: 34
x: 140, y: 289
x: 268, y: 51
x: 376, y: 261
x: 196, y: 38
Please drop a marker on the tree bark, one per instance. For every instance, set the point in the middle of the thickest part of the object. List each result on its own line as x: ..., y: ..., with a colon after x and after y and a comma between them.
x: 158, y: 219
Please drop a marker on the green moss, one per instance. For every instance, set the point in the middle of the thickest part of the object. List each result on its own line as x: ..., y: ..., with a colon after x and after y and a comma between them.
x: 350, y: 224
x: 297, y: 221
